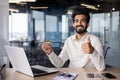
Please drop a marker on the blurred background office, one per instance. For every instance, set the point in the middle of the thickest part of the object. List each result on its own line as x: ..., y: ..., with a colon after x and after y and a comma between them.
x: 34, y: 21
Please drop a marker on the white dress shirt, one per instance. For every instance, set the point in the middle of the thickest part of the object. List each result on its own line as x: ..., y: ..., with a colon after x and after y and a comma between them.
x: 78, y: 59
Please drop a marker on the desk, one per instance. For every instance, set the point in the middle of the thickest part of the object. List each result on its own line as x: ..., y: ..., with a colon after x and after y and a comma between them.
x: 18, y: 43
x: 13, y: 75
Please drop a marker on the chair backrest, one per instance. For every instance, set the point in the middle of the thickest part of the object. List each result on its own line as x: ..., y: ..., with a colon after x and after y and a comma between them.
x: 105, y: 48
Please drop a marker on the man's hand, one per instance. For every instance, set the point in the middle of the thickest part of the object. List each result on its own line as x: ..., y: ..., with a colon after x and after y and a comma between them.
x: 87, y: 47
x: 47, y: 47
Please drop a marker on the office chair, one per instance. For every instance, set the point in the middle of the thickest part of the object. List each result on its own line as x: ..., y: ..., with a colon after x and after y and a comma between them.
x: 105, y: 48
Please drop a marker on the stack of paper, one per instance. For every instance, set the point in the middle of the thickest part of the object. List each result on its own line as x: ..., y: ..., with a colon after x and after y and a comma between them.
x: 66, y: 76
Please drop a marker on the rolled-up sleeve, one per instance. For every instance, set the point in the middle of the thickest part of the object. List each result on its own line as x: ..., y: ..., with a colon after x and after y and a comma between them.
x: 59, y: 61
x: 97, y: 57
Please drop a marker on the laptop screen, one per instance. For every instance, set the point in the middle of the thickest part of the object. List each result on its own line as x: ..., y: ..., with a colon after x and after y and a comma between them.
x: 18, y: 59
x: 20, y: 62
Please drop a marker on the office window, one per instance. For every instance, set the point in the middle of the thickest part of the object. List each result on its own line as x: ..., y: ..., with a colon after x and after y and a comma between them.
x: 18, y: 26
x: 52, y: 30
x: 51, y: 23
x: 39, y: 30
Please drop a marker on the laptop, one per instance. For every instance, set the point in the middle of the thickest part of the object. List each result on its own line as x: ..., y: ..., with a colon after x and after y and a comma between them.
x: 20, y: 63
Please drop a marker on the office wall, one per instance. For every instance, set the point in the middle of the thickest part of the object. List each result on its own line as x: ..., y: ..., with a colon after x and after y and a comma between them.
x: 4, y: 18
x: 3, y: 25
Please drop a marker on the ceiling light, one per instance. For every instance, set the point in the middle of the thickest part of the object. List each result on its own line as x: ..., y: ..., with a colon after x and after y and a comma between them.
x: 113, y: 9
x: 13, y: 10
x: 14, y: 1
x: 27, y: 0
x: 69, y: 11
x: 90, y: 6
x: 98, y: 5
x: 21, y: 3
x: 17, y: 1
x: 32, y: 7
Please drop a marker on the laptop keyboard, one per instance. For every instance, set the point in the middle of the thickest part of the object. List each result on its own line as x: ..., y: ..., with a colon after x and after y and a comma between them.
x: 37, y: 71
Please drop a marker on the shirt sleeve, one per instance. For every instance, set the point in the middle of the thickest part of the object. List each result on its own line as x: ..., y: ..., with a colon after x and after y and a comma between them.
x: 59, y: 61
x: 97, y: 57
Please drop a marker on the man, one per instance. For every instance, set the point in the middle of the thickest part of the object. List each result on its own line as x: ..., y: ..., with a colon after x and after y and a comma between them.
x: 82, y: 49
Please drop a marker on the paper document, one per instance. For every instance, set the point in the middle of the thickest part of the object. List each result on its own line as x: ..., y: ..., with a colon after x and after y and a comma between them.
x: 66, y: 76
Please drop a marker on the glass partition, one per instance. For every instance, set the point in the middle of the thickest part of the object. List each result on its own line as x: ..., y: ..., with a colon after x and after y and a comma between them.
x: 57, y: 29
x: 18, y: 28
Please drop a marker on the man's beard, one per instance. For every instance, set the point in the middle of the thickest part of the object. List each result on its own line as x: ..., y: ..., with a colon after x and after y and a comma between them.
x: 80, y: 29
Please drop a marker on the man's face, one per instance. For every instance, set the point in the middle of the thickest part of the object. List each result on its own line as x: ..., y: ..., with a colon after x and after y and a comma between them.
x: 80, y: 23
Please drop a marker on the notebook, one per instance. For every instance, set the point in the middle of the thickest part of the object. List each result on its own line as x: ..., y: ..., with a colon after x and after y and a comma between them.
x: 20, y: 63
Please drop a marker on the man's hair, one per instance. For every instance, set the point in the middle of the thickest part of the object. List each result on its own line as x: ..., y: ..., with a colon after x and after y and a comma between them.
x: 80, y: 10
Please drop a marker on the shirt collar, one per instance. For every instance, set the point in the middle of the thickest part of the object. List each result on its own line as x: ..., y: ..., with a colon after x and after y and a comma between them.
x: 83, y: 38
